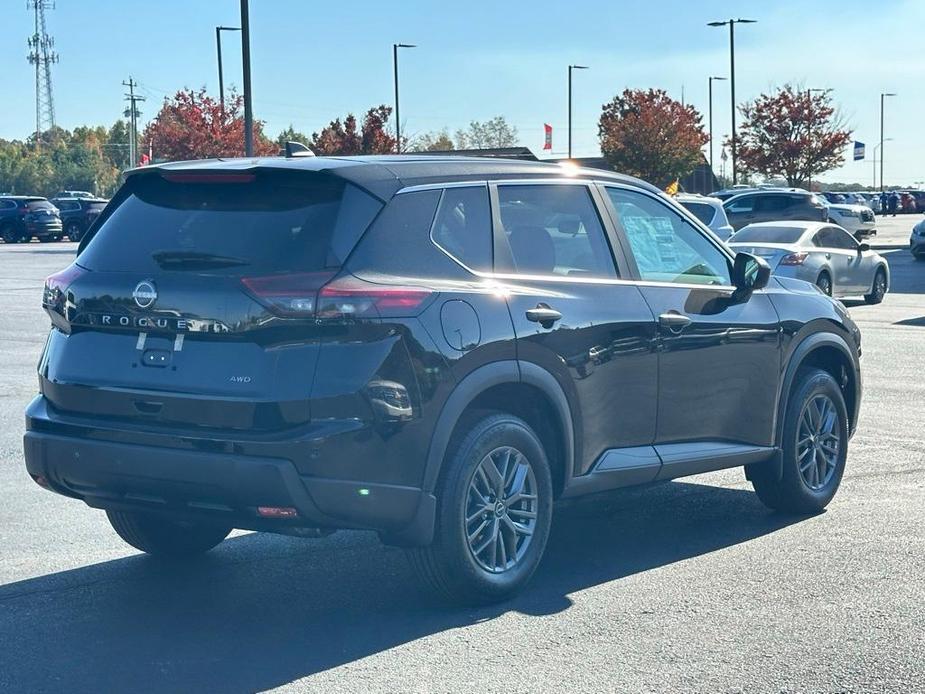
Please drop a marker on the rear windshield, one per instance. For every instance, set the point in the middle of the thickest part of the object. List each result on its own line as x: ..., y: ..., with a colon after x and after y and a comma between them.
x: 768, y: 234
x: 96, y: 205
x: 39, y: 205
x: 272, y: 223
x: 701, y: 210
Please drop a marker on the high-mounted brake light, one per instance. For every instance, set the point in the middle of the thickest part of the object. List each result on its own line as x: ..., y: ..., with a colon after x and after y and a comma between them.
x: 208, y: 177
x: 794, y: 258
x: 314, y: 294
x: 56, y: 286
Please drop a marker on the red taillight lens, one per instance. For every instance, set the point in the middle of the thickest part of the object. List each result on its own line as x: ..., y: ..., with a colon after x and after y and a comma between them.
x: 314, y: 294
x: 794, y: 258
x: 56, y: 286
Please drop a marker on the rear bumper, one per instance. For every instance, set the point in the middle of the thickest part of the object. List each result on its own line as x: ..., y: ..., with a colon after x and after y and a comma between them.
x: 43, y: 230
x: 222, y: 487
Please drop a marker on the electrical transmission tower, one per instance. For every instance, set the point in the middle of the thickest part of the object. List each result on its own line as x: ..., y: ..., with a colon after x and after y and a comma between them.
x: 42, y: 56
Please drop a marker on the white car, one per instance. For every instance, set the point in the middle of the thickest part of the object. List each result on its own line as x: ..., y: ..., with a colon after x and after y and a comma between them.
x: 708, y: 210
x: 858, y: 220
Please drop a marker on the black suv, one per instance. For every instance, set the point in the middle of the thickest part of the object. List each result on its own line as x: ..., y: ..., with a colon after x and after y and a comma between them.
x: 77, y: 214
x: 23, y: 217
x: 433, y: 348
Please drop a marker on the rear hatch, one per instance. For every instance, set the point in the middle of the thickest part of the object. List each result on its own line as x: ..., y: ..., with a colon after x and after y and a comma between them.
x: 41, y: 214
x: 772, y: 253
x: 194, y: 301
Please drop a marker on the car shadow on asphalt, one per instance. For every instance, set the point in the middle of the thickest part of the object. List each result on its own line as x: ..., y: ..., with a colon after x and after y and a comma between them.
x: 262, y: 611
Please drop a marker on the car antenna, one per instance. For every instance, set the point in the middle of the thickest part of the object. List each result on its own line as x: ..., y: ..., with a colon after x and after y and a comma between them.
x: 296, y: 149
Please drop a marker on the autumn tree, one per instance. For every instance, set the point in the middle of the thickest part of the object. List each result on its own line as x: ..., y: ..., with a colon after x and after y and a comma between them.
x: 439, y: 141
x: 347, y: 137
x: 193, y: 125
x: 496, y: 132
x: 793, y: 133
x: 647, y: 134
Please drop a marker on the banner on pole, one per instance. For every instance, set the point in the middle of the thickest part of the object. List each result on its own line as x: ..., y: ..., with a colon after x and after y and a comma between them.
x: 547, y: 143
x: 858, y: 151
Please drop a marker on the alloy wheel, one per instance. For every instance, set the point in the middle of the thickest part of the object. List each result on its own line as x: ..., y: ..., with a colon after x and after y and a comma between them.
x: 818, y: 442
x: 501, y: 509
x: 880, y: 285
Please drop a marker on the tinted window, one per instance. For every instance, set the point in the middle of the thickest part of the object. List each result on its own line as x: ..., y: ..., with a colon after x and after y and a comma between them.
x: 273, y: 223
x: 463, y: 226
x: 738, y: 205
x: 39, y: 205
x: 842, y: 239
x: 701, y: 211
x: 7, y: 205
x: 554, y: 229
x: 665, y: 246
x: 66, y: 205
x: 772, y: 203
x: 768, y: 234
x: 398, y: 243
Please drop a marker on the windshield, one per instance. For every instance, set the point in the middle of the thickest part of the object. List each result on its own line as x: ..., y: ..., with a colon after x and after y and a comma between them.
x: 768, y: 234
x: 268, y: 224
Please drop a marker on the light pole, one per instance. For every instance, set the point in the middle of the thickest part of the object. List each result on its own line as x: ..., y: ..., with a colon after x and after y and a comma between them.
x: 876, y: 147
x: 710, y: 117
x: 221, y: 80
x: 395, y: 47
x: 570, y: 68
x: 732, y: 80
x: 882, y: 97
x: 810, y: 92
x: 246, y: 59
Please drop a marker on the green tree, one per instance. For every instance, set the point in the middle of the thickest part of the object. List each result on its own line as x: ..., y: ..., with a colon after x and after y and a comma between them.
x: 496, y: 132
x: 439, y: 141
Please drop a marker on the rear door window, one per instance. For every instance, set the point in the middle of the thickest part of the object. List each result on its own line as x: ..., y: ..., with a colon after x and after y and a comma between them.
x: 741, y: 205
x: 554, y: 230
x: 268, y: 223
x: 462, y: 227
x: 772, y: 203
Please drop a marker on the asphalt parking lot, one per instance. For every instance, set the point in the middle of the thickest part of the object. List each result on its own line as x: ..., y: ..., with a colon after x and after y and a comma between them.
x: 689, y: 586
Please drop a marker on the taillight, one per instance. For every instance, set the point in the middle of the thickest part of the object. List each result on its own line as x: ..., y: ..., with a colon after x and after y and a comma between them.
x: 794, y: 258
x: 56, y: 287
x: 24, y: 211
x: 315, y: 295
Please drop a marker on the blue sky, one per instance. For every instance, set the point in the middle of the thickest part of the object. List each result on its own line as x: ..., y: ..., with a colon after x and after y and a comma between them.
x: 313, y: 61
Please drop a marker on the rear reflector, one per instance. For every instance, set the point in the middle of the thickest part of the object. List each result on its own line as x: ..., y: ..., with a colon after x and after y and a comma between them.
x: 203, y: 177
x: 794, y: 258
x: 277, y: 512
x: 314, y: 294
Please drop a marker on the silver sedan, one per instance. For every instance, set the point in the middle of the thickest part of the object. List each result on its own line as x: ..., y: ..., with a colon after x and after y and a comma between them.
x: 818, y: 252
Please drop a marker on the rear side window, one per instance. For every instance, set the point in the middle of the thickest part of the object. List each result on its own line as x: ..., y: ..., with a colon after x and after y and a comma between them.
x: 740, y: 205
x: 463, y: 226
x: 701, y: 210
x: 554, y: 230
x: 399, y: 244
x: 270, y: 223
x: 772, y: 203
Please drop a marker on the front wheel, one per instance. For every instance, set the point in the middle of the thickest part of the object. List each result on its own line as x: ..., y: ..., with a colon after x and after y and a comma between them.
x: 878, y: 290
x: 166, y: 537
x: 814, y: 447
x: 494, y: 509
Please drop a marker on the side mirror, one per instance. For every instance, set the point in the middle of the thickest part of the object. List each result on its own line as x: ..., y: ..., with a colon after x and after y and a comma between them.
x: 863, y: 247
x: 749, y: 273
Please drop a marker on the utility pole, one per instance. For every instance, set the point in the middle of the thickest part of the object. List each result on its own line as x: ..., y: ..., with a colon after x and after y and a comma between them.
x: 42, y: 56
x: 809, y: 93
x: 710, y: 117
x: 395, y: 47
x: 882, y: 97
x: 133, y: 114
x: 221, y: 79
x: 570, y: 68
x: 246, y: 58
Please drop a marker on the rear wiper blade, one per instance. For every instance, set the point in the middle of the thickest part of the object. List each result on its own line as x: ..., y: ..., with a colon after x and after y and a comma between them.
x: 192, y: 260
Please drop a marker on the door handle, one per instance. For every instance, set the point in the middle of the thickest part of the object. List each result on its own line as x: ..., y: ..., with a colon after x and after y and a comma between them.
x: 544, y: 315
x: 674, y: 321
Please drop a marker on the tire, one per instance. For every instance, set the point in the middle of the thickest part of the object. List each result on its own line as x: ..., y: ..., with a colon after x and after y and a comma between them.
x: 464, y: 563
x: 879, y: 288
x: 8, y: 234
x: 73, y: 231
x: 165, y: 537
x: 824, y: 282
x: 811, y: 489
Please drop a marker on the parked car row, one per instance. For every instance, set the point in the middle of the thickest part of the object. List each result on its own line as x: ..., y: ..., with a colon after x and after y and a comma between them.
x: 25, y: 217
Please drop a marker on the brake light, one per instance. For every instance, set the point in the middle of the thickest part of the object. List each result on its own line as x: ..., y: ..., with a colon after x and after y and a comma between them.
x: 24, y: 211
x: 56, y: 286
x: 794, y: 258
x: 201, y: 177
x: 314, y: 294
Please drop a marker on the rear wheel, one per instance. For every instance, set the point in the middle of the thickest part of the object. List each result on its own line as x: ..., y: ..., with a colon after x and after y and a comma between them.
x: 494, y: 508
x: 824, y: 282
x: 73, y: 231
x: 8, y: 234
x: 878, y: 290
x: 165, y: 537
x: 814, y: 447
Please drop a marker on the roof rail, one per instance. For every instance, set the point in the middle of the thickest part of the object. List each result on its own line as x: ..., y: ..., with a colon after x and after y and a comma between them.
x: 295, y: 149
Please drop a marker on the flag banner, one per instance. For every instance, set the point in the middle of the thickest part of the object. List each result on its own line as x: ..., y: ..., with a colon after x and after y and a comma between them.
x: 672, y: 188
x: 858, y: 151
x: 547, y: 144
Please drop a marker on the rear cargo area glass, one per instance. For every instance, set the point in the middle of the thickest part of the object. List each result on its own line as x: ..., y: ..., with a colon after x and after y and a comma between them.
x: 265, y: 224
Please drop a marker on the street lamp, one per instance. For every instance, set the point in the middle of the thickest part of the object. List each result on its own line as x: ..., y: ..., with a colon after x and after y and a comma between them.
x: 810, y: 92
x: 221, y: 80
x: 710, y: 119
x: 395, y: 47
x: 570, y: 68
x: 732, y: 80
x: 882, y: 96
x: 246, y: 60
x: 876, y: 147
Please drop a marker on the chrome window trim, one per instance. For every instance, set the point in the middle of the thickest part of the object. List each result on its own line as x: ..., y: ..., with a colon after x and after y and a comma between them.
x: 498, y: 181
